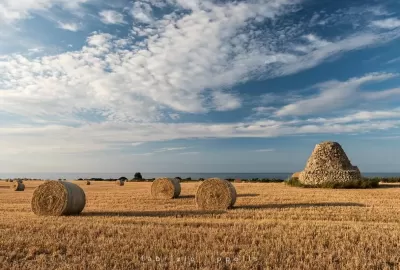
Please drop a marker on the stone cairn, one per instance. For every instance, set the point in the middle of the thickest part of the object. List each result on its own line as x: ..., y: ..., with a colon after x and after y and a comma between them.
x: 329, y: 163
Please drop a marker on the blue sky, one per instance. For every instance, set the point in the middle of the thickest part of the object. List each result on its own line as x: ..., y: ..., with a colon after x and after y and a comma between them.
x: 197, y: 86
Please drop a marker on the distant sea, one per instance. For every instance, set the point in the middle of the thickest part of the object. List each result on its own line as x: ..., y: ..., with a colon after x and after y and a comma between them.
x: 71, y: 176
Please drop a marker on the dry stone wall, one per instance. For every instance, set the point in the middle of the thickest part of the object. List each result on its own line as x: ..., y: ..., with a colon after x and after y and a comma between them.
x: 329, y: 163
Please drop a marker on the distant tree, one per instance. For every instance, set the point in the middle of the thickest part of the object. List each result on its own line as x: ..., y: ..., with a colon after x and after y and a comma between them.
x: 201, y: 179
x: 138, y: 175
x: 80, y: 179
x: 189, y: 178
x: 178, y: 178
x: 123, y: 178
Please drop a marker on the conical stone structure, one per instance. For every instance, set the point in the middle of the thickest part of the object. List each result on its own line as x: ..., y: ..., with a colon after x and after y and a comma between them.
x: 329, y: 163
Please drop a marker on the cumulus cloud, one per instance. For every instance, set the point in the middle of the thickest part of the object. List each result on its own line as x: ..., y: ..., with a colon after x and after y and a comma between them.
x: 111, y: 17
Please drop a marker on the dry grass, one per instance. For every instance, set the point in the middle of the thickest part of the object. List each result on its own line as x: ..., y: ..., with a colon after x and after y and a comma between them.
x: 273, y: 226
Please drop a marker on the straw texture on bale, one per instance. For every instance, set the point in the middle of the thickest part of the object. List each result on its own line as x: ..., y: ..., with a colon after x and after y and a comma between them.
x: 120, y: 182
x: 329, y: 163
x: 215, y: 194
x: 56, y: 198
x: 166, y: 188
x: 296, y: 175
x: 18, y: 186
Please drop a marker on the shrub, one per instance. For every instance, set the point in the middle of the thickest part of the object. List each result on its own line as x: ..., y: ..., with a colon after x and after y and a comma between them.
x: 363, y: 183
x: 138, y: 175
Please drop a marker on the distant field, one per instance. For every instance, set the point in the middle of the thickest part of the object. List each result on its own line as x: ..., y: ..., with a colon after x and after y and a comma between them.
x: 273, y: 226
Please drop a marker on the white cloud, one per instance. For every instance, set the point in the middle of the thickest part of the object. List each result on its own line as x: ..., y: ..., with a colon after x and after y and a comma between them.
x: 169, y: 149
x: 383, y: 94
x: 111, y: 17
x: 55, y: 139
x: 142, y: 12
x: 225, y: 101
x: 395, y: 60
x: 332, y: 95
x: 73, y: 27
x: 183, y: 62
x: 12, y: 11
x: 136, y: 143
x: 189, y: 153
x: 390, y: 23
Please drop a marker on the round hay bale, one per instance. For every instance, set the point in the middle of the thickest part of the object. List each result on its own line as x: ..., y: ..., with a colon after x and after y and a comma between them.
x: 165, y: 188
x: 7, y: 180
x: 18, y: 186
x: 11, y: 181
x: 56, y: 198
x: 120, y: 182
x: 296, y: 175
x: 215, y: 194
x: 88, y: 183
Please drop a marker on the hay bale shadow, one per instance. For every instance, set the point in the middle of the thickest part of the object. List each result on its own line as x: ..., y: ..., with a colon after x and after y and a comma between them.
x: 186, y: 197
x: 248, y: 195
x: 176, y: 214
x: 299, y: 205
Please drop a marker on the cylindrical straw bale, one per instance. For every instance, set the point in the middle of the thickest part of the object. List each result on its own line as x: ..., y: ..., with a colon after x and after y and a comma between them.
x: 120, y: 182
x: 57, y: 198
x: 88, y: 183
x: 17, y: 186
x: 215, y: 194
x: 166, y: 188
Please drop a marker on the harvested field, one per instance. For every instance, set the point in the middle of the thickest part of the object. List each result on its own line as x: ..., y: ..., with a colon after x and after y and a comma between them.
x: 272, y: 226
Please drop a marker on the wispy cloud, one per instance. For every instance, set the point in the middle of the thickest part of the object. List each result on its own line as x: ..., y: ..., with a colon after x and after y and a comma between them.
x: 189, y: 153
x: 264, y: 150
x: 136, y: 143
x: 73, y: 27
x: 111, y: 17
x: 170, y: 149
x: 333, y: 95
x: 395, y: 60
x: 390, y: 23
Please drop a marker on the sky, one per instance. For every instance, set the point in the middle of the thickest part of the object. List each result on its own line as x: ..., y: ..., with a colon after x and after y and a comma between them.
x: 197, y: 86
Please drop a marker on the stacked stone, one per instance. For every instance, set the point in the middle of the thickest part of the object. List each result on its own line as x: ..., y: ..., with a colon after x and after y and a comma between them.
x: 329, y: 164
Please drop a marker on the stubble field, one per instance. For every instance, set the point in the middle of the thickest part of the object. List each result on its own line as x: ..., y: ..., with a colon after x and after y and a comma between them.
x: 273, y: 226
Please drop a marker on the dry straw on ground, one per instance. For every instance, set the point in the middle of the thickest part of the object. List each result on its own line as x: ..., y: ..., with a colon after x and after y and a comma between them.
x: 56, y: 198
x: 166, y: 188
x: 329, y: 164
x: 120, y: 183
x: 18, y: 186
x: 215, y: 194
